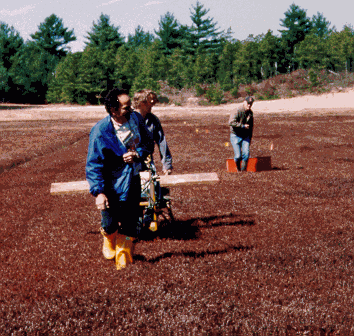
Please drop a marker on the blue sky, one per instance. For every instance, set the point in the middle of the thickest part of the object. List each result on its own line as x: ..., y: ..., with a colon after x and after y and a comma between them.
x: 244, y: 17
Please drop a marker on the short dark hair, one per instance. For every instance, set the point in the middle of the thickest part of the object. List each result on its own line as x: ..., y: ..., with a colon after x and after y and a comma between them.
x: 111, y: 99
x: 249, y: 100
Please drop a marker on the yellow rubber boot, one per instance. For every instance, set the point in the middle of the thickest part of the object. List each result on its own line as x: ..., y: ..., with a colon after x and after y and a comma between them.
x: 109, y: 244
x: 153, y: 226
x: 124, y: 251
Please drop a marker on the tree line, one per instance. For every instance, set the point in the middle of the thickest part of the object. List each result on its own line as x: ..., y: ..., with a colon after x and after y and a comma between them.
x: 44, y: 69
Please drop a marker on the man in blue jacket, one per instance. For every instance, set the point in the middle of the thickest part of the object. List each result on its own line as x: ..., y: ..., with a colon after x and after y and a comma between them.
x: 118, y: 145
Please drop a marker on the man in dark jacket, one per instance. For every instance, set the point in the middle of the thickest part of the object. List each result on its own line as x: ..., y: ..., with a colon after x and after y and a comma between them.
x: 143, y: 101
x: 241, y: 128
x: 118, y: 145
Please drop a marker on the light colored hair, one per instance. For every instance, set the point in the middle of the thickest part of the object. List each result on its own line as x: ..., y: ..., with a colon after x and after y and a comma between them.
x: 144, y: 96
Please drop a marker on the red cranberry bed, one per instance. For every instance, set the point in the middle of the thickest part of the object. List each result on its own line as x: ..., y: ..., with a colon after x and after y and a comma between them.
x: 259, y: 253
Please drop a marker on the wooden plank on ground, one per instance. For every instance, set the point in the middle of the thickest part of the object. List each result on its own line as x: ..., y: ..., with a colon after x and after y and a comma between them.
x: 69, y: 187
x: 165, y: 181
x: 187, y: 179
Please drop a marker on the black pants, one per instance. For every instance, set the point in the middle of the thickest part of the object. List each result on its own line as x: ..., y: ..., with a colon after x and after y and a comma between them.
x: 123, y: 215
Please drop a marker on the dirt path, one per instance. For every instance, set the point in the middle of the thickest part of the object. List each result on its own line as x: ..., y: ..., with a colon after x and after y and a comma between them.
x: 336, y: 102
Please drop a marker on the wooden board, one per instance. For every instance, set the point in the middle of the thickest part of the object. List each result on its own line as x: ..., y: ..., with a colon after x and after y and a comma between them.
x: 201, y: 178
x: 165, y: 181
x: 69, y: 187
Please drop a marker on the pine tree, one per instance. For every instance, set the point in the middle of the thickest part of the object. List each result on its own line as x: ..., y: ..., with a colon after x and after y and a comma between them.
x: 270, y: 51
x: 314, y: 53
x: 204, y: 34
x: 320, y: 25
x: 179, y: 72
x: 10, y: 43
x: 126, y: 66
x: 225, y: 74
x: 248, y: 62
x: 4, y: 82
x: 104, y: 34
x: 64, y: 86
x: 53, y: 37
x: 204, y: 68
x: 151, y: 68
x: 31, y: 71
x: 92, y: 77
x: 297, y: 25
x: 140, y: 38
x: 169, y: 33
x: 343, y: 44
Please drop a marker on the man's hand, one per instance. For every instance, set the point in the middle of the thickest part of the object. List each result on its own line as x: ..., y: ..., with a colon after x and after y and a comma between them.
x: 102, y: 202
x: 130, y: 156
x: 167, y: 172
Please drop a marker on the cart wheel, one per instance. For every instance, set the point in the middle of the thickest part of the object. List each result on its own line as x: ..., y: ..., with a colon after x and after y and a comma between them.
x: 165, y: 215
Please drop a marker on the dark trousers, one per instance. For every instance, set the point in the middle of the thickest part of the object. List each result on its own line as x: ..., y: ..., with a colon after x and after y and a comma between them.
x: 123, y: 215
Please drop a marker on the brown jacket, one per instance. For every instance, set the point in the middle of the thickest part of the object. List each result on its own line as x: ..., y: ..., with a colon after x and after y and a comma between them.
x: 239, y: 119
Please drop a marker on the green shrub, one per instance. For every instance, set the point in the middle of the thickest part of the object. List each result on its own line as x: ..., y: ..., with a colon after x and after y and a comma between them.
x: 81, y: 100
x: 227, y: 86
x: 163, y: 99
x: 313, y: 78
x: 204, y: 102
x: 250, y: 90
x: 267, y: 91
x: 214, y: 94
x: 199, y: 91
x: 265, y: 96
x: 234, y: 91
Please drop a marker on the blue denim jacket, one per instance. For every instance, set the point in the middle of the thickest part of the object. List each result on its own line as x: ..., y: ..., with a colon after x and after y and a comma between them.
x: 106, y: 172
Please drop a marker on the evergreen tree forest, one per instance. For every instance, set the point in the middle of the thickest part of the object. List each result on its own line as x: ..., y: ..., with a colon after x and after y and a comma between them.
x: 44, y: 70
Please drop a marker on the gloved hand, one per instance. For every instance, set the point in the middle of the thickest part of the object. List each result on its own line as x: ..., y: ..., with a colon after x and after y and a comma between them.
x: 167, y: 172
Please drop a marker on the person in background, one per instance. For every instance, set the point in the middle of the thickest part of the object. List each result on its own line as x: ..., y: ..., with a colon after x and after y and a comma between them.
x: 143, y: 101
x: 241, y: 130
x: 118, y: 146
